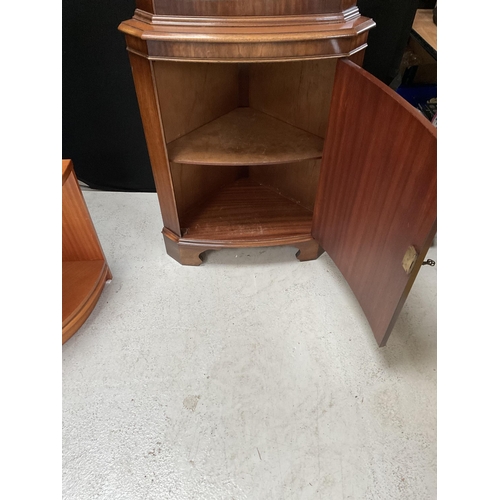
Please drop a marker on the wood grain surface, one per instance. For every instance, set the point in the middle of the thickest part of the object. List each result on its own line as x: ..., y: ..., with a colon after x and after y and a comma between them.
x: 188, y: 252
x: 84, y: 266
x: 245, y: 7
x: 296, y: 181
x: 297, y: 92
x: 246, y: 211
x: 191, y: 95
x: 220, y: 43
x: 82, y: 285
x: 343, y: 16
x: 146, y: 5
x: 424, y: 26
x: 377, y: 192
x: 194, y: 184
x: 245, y: 136
x: 146, y: 91
x: 79, y: 237
x: 196, y: 115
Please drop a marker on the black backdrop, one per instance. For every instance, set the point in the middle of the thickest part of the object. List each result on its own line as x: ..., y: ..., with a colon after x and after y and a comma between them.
x: 102, y: 130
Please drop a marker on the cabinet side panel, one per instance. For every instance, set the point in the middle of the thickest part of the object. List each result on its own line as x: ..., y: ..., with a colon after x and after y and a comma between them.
x: 79, y: 237
x: 298, y: 92
x: 145, y: 88
x: 193, y: 94
x: 297, y: 181
x: 358, y: 57
x: 147, y: 5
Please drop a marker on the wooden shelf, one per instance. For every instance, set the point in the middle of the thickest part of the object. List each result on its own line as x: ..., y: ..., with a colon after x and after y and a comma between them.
x: 245, y: 136
x: 82, y: 283
x: 84, y: 266
x: 244, y: 212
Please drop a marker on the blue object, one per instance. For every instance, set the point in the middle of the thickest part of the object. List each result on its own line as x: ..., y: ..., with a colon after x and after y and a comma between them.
x: 417, y: 94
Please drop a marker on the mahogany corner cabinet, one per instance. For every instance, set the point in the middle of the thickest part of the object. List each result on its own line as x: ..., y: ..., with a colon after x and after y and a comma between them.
x: 263, y: 130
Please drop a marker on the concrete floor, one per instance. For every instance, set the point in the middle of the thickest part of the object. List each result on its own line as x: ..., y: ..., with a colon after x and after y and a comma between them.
x: 253, y: 376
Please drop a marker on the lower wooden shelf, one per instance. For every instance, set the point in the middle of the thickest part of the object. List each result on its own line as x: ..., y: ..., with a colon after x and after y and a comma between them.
x: 243, y: 214
x: 82, y: 284
x: 246, y: 211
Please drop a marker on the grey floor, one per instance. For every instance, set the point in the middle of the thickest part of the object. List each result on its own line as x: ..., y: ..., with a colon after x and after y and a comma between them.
x: 253, y: 376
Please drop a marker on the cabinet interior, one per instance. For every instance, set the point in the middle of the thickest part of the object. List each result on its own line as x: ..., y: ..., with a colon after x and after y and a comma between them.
x: 242, y: 136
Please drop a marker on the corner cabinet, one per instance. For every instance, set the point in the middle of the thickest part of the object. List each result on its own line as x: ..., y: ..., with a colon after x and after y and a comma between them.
x: 262, y: 130
x: 84, y: 266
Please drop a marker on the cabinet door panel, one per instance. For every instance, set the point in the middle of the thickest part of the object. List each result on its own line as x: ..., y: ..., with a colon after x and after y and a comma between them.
x: 377, y: 193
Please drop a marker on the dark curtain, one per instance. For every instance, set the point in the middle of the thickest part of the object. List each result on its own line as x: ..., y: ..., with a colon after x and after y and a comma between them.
x: 387, y: 41
x: 102, y: 129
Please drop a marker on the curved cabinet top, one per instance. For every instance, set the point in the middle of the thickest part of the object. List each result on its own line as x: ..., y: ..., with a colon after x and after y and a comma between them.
x: 246, y: 31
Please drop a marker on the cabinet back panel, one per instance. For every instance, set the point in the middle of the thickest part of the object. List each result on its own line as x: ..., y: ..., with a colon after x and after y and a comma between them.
x: 297, y: 181
x: 298, y: 92
x: 193, y: 94
x: 194, y: 184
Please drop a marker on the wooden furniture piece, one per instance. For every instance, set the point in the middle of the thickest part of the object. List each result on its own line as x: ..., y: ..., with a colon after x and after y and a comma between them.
x: 249, y: 147
x: 234, y: 98
x: 425, y: 31
x: 84, y: 267
x: 419, y: 65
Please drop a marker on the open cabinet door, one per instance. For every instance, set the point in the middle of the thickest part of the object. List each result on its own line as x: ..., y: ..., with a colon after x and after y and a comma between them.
x: 375, y: 212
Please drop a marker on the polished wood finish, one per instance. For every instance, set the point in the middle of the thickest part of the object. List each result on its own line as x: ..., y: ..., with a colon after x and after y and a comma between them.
x: 252, y: 216
x: 251, y: 212
x: 191, y: 95
x: 82, y: 285
x: 296, y: 92
x: 236, y: 99
x: 145, y: 84
x: 358, y: 57
x: 244, y: 84
x: 84, y: 266
x: 189, y: 253
x: 79, y: 238
x: 146, y: 5
x: 201, y: 114
x: 296, y: 181
x: 260, y: 42
x: 424, y: 26
x: 377, y: 192
x: 193, y: 185
x: 245, y: 136
x: 243, y: 7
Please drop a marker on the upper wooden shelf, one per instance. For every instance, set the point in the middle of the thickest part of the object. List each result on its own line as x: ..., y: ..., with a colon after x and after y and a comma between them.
x: 245, y: 136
